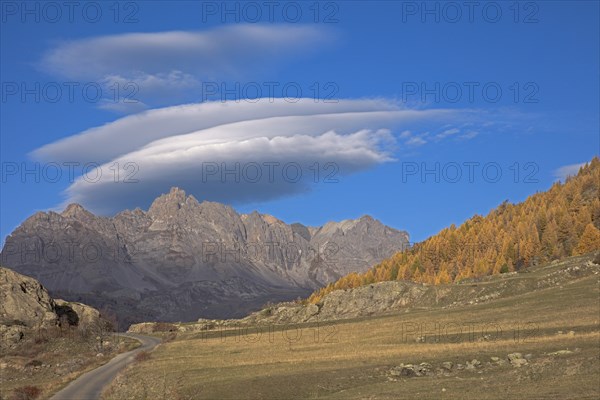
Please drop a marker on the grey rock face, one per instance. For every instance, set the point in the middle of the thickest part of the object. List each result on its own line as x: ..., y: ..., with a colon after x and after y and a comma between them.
x: 26, y: 307
x: 24, y: 302
x: 182, y: 259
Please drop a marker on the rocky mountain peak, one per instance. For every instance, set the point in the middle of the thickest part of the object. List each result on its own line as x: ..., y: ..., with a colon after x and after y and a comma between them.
x: 168, y: 204
x: 175, y: 195
x: 75, y: 210
x: 269, y: 219
x: 178, y: 259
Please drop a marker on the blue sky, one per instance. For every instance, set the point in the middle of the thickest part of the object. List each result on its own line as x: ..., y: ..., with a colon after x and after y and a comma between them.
x: 387, y: 91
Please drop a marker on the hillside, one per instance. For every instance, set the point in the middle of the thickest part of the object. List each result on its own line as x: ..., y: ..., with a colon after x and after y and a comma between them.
x: 390, y: 297
x: 561, y: 222
x: 183, y: 259
x: 523, y: 342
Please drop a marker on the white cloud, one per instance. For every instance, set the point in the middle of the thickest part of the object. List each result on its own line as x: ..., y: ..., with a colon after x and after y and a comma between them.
x: 446, y: 133
x: 170, y: 146
x: 469, y: 135
x: 199, y: 167
x: 230, y: 49
x: 416, y: 141
x: 122, y: 106
x: 563, y: 172
x: 171, y: 85
x: 171, y: 65
x: 127, y: 134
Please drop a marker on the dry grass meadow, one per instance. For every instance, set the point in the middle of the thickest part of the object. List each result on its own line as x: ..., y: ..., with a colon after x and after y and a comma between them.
x: 352, y: 359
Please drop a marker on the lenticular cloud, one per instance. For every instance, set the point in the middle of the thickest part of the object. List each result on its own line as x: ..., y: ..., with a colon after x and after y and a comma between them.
x: 232, y: 152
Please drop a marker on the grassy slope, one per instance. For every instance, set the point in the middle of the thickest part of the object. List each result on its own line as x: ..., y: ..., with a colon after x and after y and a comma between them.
x: 351, y: 359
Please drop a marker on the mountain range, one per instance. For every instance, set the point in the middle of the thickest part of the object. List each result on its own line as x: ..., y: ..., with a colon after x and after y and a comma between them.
x: 183, y: 259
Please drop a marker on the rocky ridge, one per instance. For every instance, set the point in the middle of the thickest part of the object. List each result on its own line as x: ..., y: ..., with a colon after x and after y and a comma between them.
x: 183, y: 259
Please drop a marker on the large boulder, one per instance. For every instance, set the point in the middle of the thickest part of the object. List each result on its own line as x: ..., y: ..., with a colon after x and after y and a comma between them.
x: 26, y: 307
x: 24, y: 301
x: 78, y: 314
x: 142, y: 327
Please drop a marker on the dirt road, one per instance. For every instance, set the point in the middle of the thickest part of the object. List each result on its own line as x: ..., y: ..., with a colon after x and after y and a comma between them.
x: 89, y: 386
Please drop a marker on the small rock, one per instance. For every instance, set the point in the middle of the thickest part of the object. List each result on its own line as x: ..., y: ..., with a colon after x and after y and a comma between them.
x: 571, y: 333
x: 408, y: 370
x: 517, y: 360
x: 443, y: 389
x: 447, y: 365
x: 560, y: 353
x: 528, y: 357
x: 495, y: 359
x: 473, y: 364
x: 99, y: 355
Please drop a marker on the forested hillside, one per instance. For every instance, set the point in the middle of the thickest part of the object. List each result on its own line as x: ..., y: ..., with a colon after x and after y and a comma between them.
x: 563, y: 221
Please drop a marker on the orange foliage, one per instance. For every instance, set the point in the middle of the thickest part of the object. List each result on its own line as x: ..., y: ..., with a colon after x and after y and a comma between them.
x: 561, y: 222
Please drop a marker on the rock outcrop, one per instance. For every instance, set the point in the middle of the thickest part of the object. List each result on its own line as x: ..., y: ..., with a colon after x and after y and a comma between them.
x: 84, y: 316
x: 26, y: 307
x: 24, y: 301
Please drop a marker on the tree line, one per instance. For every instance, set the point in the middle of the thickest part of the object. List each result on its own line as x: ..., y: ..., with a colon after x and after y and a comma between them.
x: 563, y: 221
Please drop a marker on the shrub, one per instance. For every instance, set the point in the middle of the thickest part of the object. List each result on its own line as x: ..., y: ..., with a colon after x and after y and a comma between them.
x: 34, y: 363
x: 267, y: 312
x: 142, y: 356
x: 27, y: 393
x: 164, y: 327
x: 169, y: 337
x: 40, y: 340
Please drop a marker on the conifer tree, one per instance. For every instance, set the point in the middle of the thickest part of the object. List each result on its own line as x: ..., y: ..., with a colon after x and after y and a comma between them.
x: 589, y: 241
